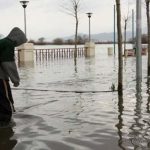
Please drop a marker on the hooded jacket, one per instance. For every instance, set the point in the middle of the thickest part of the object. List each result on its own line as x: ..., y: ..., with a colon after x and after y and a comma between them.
x: 8, y: 67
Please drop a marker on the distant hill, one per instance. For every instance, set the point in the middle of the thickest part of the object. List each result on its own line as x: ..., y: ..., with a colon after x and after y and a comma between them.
x: 101, y: 36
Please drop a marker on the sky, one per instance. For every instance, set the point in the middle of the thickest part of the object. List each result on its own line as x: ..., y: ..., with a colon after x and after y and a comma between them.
x: 47, y: 18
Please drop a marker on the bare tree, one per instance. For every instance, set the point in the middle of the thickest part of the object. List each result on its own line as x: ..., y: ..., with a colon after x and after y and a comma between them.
x: 58, y: 41
x: 148, y: 33
x: 73, y: 8
x: 120, y: 66
x: 41, y: 40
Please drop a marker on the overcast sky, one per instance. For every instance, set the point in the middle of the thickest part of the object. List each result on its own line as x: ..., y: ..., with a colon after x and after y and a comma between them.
x: 45, y: 18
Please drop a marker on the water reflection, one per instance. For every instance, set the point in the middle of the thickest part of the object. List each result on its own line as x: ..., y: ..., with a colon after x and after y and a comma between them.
x: 148, y: 103
x: 26, y: 64
x: 119, y: 125
x: 75, y: 65
x: 140, y: 127
x: 137, y: 126
x: 6, y: 141
x: 148, y: 99
x: 90, y: 66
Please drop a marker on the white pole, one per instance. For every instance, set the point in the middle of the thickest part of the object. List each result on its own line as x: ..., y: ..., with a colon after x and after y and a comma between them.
x: 25, y: 27
x: 114, y: 29
x: 133, y: 41
x: 138, y: 41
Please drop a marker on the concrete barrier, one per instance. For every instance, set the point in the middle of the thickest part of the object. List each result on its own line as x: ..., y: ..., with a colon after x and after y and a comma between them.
x: 26, y: 52
x: 89, y: 49
x: 110, y: 51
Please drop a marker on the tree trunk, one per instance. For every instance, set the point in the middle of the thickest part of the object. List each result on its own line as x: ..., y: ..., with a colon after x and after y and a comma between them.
x: 120, y: 65
x: 148, y: 32
x: 76, y: 37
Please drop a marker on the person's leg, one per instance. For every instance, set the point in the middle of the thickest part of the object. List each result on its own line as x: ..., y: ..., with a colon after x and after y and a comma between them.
x: 10, y: 95
x: 6, y: 108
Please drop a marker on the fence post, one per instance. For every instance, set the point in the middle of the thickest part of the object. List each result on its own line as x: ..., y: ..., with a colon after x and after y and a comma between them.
x: 26, y: 52
x: 89, y: 49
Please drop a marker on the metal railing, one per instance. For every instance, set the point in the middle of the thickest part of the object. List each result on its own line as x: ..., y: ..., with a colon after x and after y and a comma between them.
x: 58, y: 53
x: 46, y: 54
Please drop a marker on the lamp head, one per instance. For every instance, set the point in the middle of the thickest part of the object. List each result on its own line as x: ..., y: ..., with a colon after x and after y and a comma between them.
x: 24, y: 3
x: 89, y: 14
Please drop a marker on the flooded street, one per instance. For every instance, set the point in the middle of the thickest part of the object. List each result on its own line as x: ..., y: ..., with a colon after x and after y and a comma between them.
x: 60, y: 106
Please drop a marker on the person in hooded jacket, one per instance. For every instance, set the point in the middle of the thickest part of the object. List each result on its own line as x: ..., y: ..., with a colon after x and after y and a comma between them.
x: 8, y: 71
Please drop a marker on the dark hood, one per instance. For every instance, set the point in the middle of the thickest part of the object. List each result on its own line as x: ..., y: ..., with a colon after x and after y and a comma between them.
x: 17, y: 36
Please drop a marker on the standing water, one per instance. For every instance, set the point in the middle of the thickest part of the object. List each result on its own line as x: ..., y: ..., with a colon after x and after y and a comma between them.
x: 60, y: 106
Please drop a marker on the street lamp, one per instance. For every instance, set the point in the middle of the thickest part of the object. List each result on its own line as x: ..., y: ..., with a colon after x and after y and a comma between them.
x: 89, y: 15
x: 24, y: 5
x: 138, y: 41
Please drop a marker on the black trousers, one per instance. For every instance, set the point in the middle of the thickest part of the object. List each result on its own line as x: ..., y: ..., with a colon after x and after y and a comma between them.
x: 6, y: 101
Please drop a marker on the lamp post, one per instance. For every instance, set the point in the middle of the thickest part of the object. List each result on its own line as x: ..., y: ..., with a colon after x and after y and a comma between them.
x: 24, y: 5
x: 138, y: 41
x: 133, y: 41
x: 114, y: 29
x: 89, y: 15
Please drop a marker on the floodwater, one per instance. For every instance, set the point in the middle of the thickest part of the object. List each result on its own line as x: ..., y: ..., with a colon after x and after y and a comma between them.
x: 57, y: 108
